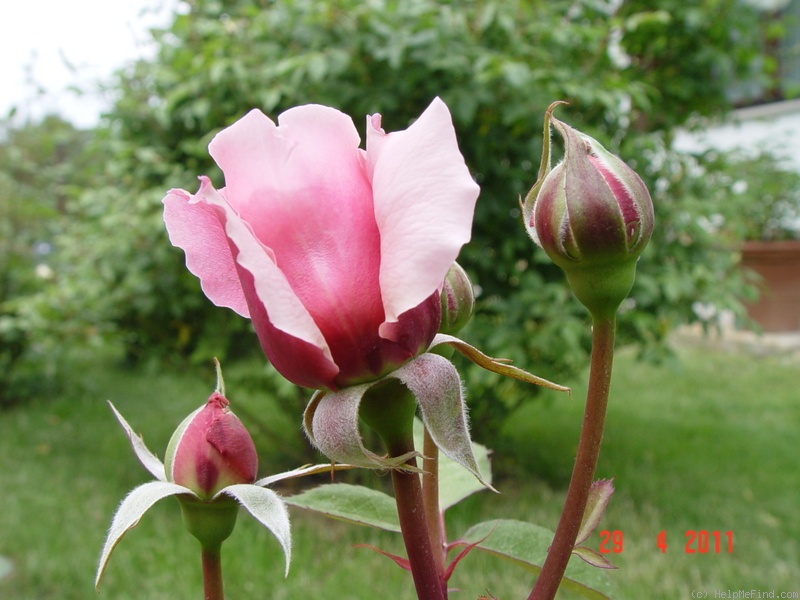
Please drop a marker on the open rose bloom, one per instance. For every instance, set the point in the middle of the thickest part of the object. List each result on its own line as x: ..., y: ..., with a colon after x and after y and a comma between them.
x: 338, y: 255
x: 335, y: 253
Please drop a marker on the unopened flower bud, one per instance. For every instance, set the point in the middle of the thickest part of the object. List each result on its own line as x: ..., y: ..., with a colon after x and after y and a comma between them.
x: 458, y: 300
x: 210, y: 450
x: 593, y: 216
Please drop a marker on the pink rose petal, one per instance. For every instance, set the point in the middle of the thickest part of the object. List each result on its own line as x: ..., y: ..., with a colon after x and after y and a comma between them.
x: 424, y: 203
x: 302, y: 189
x: 195, y: 228
x: 286, y: 311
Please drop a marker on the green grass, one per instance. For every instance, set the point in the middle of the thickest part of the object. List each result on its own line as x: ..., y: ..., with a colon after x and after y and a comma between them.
x: 707, y: 444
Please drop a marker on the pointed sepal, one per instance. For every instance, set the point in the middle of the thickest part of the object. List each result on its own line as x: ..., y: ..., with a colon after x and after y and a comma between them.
x: 269, y: 509
x: 455, y: 482
x: 331, y: 423
x: 544, y: 171
x: 130, y: 511
x: 500, y: 366
x: 303, y: 472
x: 150, y: 461
x: 435, y: 383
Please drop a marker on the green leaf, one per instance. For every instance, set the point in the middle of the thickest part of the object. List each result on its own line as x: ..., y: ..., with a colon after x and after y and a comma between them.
x: 526, y: 544
x: 455, y: 481
x: 352, y: 503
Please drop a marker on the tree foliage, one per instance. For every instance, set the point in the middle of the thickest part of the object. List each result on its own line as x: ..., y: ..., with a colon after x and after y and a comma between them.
x: 44, y: 167
x: 630, y: 80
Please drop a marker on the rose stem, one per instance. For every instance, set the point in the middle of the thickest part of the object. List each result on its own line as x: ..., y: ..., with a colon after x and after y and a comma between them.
x: 212, y: 573
x: 411, y: 512
x: 603, y: 332
x: 430, y: 496
x: 389, y: 409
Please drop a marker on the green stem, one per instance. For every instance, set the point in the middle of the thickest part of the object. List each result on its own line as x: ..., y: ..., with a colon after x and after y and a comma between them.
x: 430, y: 496
x: 212, y: 573
x: 558, y: 556
x: 211, y: 523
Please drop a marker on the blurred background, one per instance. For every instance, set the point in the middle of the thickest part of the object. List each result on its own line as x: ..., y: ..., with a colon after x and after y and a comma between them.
x: 107, y: 105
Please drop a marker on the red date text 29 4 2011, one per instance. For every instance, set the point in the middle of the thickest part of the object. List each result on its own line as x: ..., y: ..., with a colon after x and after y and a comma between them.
x: 695, y: 542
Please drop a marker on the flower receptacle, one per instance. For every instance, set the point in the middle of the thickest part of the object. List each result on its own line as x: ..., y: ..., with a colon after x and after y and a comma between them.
x: 210, y: 522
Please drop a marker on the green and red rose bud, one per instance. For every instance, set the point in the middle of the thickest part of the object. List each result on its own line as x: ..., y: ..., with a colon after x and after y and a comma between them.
x: 210, y: 450
x: 210, y: 468
x: 458, y: 300
x: 592, y: 215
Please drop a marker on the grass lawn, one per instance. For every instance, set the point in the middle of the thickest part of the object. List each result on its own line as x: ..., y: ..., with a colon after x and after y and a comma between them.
x: 709, y: 443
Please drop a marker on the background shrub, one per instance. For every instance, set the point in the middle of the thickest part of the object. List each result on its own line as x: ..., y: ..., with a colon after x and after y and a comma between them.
x: 631, y: 75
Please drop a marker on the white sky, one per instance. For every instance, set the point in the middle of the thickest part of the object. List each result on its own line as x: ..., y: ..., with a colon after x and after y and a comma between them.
x: 38, y: 38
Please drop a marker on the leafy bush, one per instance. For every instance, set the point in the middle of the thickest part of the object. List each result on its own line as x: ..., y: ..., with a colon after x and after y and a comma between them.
x: 498, y: 65
x: 44, y: 166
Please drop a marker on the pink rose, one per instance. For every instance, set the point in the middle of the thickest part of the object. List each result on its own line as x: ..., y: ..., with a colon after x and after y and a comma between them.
x: 336, y: 254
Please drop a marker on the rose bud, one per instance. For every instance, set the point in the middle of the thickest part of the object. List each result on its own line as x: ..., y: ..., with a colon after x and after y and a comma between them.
x: 210, y: 450
x: 458, y: 300
x: 336, y: 253
x: 592, y: 215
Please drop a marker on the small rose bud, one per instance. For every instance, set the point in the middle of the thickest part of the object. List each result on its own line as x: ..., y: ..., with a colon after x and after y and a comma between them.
x: 593, y: 216
x: 210, y: 450
x: 458, y: 300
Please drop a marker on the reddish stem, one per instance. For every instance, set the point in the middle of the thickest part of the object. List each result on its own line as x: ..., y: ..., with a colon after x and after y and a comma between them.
x: 558, y: 556
x: 428, y: 580
x: 212, y: 574
x: 389, y: 409
x: 430, y: 496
